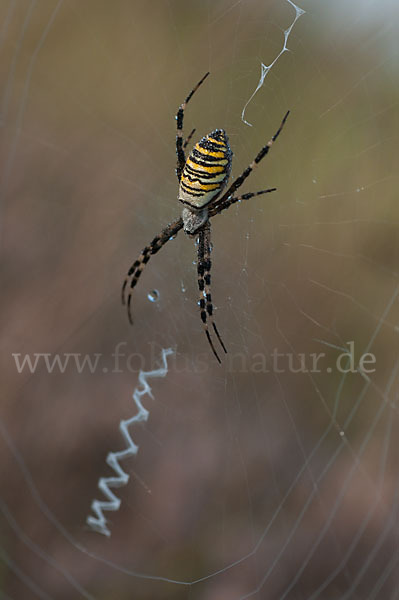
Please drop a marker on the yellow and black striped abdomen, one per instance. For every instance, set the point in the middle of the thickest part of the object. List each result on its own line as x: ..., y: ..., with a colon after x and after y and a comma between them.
x: 206, y: 170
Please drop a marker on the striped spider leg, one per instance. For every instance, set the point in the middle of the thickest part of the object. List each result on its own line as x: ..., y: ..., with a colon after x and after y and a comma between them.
x: 137, y: 267
x: 181, y: 157
x: 204, y: 283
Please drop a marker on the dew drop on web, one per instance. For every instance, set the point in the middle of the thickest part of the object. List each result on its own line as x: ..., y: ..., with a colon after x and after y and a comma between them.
x: 153, y: 296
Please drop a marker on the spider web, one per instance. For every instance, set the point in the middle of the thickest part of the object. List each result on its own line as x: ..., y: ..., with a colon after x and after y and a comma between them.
x: 270, y: 476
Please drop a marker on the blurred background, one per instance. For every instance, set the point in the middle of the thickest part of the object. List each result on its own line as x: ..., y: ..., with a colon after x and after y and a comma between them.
x: 253, y: 478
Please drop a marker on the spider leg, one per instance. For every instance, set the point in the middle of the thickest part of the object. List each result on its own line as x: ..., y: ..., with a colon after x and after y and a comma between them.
x: 137, y: 267
x: 215, y: 210
x: 207, y: 279
x: 188, y: 138
x: 204, y: 284
x: 261, y: 154
x: 181, y: 157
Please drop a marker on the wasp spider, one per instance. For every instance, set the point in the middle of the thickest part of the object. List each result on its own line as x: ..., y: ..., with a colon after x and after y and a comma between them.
x: 202, y: 178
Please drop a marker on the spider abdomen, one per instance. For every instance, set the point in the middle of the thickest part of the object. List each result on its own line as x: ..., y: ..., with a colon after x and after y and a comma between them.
x: 206, y: 170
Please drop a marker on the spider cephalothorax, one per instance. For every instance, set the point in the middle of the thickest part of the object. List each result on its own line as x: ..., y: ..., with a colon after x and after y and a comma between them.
x: 202, y: 178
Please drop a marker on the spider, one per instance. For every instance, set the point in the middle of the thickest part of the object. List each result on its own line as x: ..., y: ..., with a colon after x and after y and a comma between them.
x: 202, y: 177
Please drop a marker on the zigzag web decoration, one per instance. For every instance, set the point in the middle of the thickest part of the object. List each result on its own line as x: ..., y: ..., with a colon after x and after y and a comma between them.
x: 264, y: 69
x: 98, y: 507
